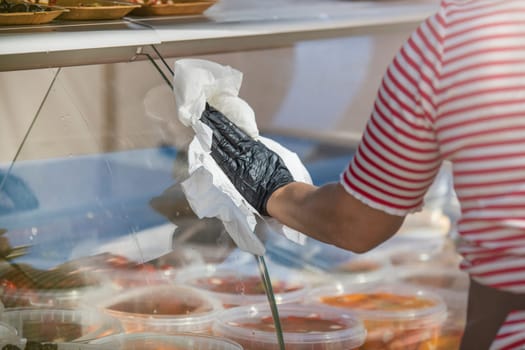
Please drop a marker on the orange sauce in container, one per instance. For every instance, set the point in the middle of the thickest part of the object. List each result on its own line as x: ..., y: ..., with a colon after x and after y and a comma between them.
x: 378, y: 301
x: 395, y: 317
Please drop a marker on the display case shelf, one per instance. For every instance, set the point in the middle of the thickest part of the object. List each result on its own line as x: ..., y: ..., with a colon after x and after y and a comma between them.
x: 223, y: 28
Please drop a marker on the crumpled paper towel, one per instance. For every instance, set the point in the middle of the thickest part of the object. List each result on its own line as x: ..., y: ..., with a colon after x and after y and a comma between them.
x: 208, y: 190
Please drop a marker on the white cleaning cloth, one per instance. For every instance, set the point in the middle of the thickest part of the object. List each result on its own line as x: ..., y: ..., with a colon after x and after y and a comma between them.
x: 208, y: 190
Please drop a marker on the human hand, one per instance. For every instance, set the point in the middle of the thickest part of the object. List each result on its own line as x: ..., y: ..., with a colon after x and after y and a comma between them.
x: 254, y: 169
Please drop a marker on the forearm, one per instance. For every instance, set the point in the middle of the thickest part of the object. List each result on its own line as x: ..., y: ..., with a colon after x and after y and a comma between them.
x: 331, y: 215
x: 326, y: 213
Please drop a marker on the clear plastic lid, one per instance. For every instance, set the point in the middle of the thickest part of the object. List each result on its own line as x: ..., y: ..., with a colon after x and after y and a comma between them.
x: 427, y: 229
x: 164, y: 308
x: 388, y: 302
x: 304, y: 327
x: 152, y: 341
x: 410, y: 256
x: 362, y: 269
x: 234, y: 287
x: 52, y: 324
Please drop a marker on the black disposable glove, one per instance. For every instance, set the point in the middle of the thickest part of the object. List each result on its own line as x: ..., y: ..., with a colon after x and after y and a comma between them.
x: 254, y: 169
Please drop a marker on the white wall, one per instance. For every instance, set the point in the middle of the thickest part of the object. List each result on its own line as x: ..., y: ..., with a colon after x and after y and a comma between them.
x: 323, y: 85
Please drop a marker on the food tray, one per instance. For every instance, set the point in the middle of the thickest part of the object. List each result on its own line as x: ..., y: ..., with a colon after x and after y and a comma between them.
x: 176, y: 9
x: 19, y: 18
x: 80, y: 10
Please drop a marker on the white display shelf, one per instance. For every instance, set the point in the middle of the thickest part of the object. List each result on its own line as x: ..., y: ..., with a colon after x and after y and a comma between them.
x: 229, y: 25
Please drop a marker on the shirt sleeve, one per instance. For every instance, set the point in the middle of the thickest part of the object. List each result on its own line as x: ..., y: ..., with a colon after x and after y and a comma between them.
x: 398, y: 156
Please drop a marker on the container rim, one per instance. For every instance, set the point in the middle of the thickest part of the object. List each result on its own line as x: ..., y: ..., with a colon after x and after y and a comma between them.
x: 185, y: 276
x: 379, y: 274
x: 207, y: 316
x: 434, y: 314
x: 183, y: 337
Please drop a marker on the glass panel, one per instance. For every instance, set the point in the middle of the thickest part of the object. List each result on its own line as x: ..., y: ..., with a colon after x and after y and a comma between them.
x: 93, y: 216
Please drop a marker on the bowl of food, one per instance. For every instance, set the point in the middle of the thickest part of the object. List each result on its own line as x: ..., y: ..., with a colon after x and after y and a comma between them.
x: 235, y: 288
x: 304, y: 327
x: 163, y: 308
x: 395, y: 316
x: 153, y: 341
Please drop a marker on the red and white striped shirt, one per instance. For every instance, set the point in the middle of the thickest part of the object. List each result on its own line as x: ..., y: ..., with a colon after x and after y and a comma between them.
x: 456, y: 91
x: 511, y: 335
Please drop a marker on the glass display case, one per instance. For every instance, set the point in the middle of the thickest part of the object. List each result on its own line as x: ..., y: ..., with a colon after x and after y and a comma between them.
x: 99, y: 246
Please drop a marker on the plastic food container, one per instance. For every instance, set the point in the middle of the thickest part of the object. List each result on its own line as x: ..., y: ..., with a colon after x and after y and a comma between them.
x: 305, y: 327
x: 362, y: 269
x: 65, y: 325
x: 151, y: 341
x: 26, y: 286
x: 449, y: 339
x: 396, y: 317
x: 164, y: 308
x: 235, y: 288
